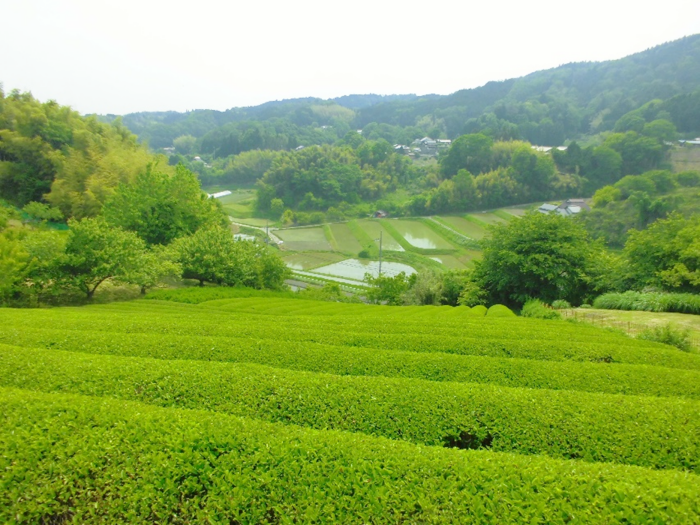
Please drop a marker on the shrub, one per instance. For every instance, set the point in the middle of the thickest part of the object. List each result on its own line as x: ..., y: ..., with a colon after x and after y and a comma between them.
x: 537, y: 309
x: 668, y: 334
x: 561, y: 304
x: 498, y: 310
x: 685, y: 303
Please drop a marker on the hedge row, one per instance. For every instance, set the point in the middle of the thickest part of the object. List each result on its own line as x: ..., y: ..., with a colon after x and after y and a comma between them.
x: 196, y: 295
x: 685, y: 303
x: 520, y: 329
x: 86, y: 460
x: 651, y: 432
x: 313, y: 357
x: 498, y: 337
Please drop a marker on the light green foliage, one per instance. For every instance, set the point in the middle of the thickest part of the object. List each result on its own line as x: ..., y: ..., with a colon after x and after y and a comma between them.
x: 388, y: 290
x: 539, y: 364
x: 668, y: 335
x: 42, y: 212
x: 184, y: 463
x: 605, y: 195
x: 560, y: 424
x: 212, y: 255
x: 49, y: 151
x: 160, y: 207
x: 537, y: 309
x: 498, y: 310
x: 96, y: 252
x: 650, y: 302
x: 561, y: 304
x: 545, y: 256
x: 185, y: 144
x: 14, y: 261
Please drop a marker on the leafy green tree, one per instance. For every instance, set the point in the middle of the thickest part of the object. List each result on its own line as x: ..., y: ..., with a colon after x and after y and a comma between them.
x: 469, y: 152
x: 159, y: 207
x: 666, y: 255
x: 47, y: 254
x: 540, y: 255
x: 453, y: 283
x: 639, y: 153
x: 185, y: 144
x: 97, y: 252
x: 385, y: 289
x: 660, y: 129
x: 212, y: 255
x: 42, y: 212
x: 14, y: 261
x: 155, y: 264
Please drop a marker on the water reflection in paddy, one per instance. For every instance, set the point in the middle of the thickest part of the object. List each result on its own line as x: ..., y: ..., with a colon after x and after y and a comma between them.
x: 357, y: 268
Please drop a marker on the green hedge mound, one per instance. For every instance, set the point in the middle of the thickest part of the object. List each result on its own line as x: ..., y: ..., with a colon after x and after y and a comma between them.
x: 72, y: 459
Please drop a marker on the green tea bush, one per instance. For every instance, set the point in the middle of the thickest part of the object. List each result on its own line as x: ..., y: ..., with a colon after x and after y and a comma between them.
x: 595, y: 376
x: 684, y: 303
x: 498, y: 310
x: 73, y: 459
x: 511, y: 337
x: 537, y: 309
x: 197, y: 295
x: 634, y: 430
x: 478, y: 311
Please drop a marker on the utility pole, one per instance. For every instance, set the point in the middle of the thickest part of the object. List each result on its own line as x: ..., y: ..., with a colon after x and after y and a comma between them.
x: 380, y: 253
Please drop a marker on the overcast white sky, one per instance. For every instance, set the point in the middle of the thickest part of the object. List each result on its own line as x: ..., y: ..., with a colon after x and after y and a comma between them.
x: 103, y: 56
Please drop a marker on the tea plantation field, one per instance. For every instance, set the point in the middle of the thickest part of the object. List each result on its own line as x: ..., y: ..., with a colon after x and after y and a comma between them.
x: 223, y: 406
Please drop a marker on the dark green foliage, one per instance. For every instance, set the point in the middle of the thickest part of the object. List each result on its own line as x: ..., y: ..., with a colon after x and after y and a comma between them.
x: 666, y: 254
x: 637, y: 201
x: 185, y: 463
x: 650, y: 302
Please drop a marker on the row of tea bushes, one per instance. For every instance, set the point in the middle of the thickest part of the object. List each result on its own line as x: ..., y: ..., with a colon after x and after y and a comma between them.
x: 646, y: 431
x: 339, y: 360
x: 498, y: 338
x: 66, y: 458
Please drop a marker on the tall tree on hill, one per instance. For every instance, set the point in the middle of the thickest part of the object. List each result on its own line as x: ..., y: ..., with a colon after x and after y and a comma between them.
x: 159, y: 207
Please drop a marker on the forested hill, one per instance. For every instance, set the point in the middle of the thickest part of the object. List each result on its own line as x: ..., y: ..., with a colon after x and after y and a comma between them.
x: 546, y: 107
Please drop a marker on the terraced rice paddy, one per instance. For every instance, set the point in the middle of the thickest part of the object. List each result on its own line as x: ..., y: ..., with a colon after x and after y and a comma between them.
x: 309, y: 260
x: 465, y: 227
x: 488, y: 218
x: 449, y: 261
x: 301, y: 239
x: 420, y: 236
x: 373, y: 229
x: 223, y: 406
x: 357, y: 268
x: 346, y: 240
